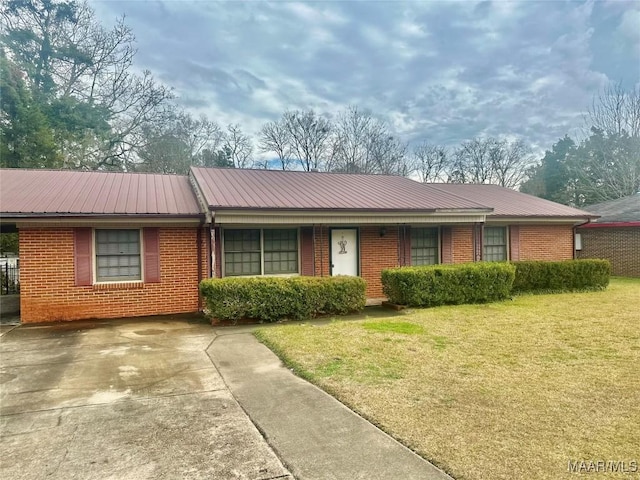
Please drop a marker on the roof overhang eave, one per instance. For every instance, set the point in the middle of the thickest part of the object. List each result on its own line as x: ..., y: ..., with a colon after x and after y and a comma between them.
x: 345, y: 217
x: 62, y: 219
x: 540, y: 218
x: 357, y: 211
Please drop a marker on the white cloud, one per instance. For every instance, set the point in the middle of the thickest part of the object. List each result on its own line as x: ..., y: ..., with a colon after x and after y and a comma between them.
x: 629, y: 28
x: 437, y: 70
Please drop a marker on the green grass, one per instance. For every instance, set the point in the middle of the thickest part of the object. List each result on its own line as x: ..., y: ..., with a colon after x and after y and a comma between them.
x: 510, y: 390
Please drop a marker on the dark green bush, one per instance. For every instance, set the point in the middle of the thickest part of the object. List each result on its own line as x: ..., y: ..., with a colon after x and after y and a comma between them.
x: 272, y: 298
x: 565, y: 276
x: 433, y: 285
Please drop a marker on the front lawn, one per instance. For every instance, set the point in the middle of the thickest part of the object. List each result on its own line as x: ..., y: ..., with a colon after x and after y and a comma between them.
x: 510, y: 390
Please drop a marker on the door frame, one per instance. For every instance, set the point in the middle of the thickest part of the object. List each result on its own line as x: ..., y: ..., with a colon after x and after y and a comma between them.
x: 346, y: 227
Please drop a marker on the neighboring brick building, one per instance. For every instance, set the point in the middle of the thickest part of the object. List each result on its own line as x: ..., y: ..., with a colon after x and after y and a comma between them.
x: 98, y: 245
x: 614, y: 236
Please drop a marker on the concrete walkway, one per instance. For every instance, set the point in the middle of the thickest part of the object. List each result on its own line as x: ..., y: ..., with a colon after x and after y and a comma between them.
x: 314, y: 435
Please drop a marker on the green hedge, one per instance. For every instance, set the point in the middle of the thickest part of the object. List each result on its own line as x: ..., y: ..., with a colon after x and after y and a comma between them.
x: 433, y: 285
x: 271, y: 298
x: 565, y: 276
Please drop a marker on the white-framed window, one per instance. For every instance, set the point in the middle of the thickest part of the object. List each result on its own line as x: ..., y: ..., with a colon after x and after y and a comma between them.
x: 118, y: 255
x: 495, y: 244
x: 255, y: 251
x: 424, y: 246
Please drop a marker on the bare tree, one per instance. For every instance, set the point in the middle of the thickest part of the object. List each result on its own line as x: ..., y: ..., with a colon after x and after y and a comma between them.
x: 472, y: 161
x: 174, y: 145
x: 365, y: 144
x: 309, y: 137
x: 237, y: 146
x: 430, y: 162
x: 352, y: 141
x: 276, y: 137
x: 510, y: 162
x: 389, y: 156
x: 615, y: 111
x: 490, y: 160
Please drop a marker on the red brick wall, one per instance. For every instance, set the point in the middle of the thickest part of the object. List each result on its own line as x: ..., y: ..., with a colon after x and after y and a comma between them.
x: 321, y: 249
x: 546, y: 242
x: 462, y: 243
x: 376, y: 254
x: 621, y: 246
x: 47, y: 279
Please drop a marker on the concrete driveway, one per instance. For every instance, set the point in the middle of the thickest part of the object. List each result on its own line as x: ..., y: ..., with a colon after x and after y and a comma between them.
x: 122, y: 400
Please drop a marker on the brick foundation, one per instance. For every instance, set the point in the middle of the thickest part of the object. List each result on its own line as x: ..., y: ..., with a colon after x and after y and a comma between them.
x: 48, y: 291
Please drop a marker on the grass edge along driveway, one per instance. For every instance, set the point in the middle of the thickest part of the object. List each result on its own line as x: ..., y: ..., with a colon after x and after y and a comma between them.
x: 510, y: 390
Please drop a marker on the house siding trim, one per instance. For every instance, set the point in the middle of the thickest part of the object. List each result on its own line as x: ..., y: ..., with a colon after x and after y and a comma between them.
x: 337, y: 219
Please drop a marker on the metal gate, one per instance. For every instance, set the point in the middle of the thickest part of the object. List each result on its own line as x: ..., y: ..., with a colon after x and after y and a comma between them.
x: 9, y: 279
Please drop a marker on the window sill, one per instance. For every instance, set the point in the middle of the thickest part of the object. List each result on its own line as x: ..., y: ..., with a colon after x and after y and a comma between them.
x: 119, y: 286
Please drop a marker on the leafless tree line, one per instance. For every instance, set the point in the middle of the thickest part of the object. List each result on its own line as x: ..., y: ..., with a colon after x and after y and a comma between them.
x: 359, y: 142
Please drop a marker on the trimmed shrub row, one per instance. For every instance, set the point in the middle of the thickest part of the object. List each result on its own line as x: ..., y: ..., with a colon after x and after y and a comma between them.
x: 271, y: 298
x: 565, y: 276
x: 433, y: 285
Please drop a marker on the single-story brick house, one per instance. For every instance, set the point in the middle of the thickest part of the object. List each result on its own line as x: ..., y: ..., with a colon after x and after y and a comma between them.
x: 100, y: 244
x: 614, y: 236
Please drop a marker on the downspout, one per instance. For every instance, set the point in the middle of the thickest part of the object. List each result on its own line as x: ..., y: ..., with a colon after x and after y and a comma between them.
x: 398, y: 245
x: 199, y: 250
x: 322, y: 253
x: 212, y: 247
x: 313, y: 246
x: 575, y: 227
x: 478, y: 241
x: 209, y: 252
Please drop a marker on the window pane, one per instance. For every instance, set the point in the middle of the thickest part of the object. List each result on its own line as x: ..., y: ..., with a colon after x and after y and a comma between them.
x: 281, y: 262
x: 424, y: 246
x: 118, y: 255
x: 241, y: 240
x: 280, y: 251
x: 242, y: 252
x: 495, y: 244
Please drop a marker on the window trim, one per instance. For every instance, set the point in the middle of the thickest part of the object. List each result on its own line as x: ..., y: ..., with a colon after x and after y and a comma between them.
x: 223, y: 261
x: 94, y: 258
x: 438, y: 247
x: 507, y: 251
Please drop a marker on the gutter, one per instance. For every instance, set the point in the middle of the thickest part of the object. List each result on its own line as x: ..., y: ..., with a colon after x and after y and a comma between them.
x: 609, y: 224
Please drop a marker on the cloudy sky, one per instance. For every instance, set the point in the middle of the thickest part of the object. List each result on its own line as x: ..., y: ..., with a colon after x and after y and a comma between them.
x: 437, y: 71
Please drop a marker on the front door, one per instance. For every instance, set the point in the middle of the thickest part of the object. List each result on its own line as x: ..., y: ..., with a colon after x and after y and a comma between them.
x: 344, y: 251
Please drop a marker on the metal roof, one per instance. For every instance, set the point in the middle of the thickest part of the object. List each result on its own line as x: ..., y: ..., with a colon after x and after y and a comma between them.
x: 63, y: 192
x: 32, y: 193
x: 626, y: 209
x: 510, y: 203
x: 292, y: 190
